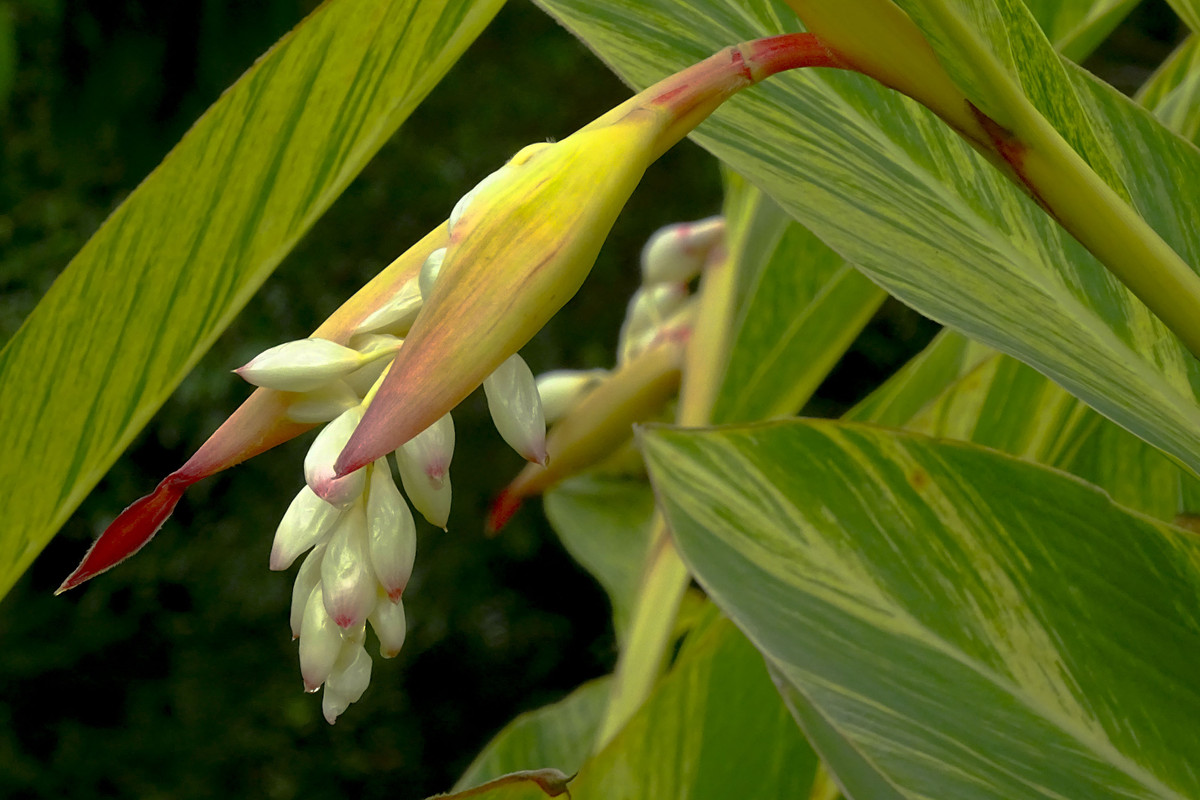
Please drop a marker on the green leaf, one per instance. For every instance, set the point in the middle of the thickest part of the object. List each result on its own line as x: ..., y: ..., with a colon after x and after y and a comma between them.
x: 887, y: 186
x: 799, y: 308
x: 921, y: 381
x: 605, y: 524
x: 961, y: 390
x: 558, y: 735
x: 713, y: 728
x: 1077, y: 27
x: 1173, y: 91
x: 1188, y: 11
x: 1005, y: 405
x: 148, y: 294
x: 968, y: 624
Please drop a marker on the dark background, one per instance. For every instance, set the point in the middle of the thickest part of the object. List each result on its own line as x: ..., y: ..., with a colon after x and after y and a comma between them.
x: 175, y: 675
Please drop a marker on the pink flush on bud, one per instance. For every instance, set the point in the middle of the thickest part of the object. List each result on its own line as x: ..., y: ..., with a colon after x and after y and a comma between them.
x: 523, y: 241
x: 318, y: 463
x: 260, y: 423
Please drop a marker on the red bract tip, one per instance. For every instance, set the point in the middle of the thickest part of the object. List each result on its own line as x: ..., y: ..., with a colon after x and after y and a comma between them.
x: 503, y: 507
x: 128, y: 533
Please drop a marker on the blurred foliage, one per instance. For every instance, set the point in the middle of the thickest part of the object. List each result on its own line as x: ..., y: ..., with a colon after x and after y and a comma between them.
x: 174, y: 675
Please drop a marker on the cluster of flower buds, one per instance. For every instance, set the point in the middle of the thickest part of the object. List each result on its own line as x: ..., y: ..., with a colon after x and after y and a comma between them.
x: 358, y: 527
x: 593, y: 411
x: 384, y: 371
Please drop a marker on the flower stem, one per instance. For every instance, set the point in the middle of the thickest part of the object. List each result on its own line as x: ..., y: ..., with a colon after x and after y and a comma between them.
x: 665, y: 578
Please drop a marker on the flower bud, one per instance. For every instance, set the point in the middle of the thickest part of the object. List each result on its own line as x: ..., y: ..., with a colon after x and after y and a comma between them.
x: 318, y: 463
x: 347, y: 582
x: 600, y: 423
x: 430, y: 271
x: 677, y: 253
x: 424, y: 463
x: 389, y: 624
x: 306, y: 579
x: 325, y: 403
x: 391, y: 532
x: 649, y: 308
x: 352, y: 673
x: 516, y: 408
x: 561, y: 389
x: 320, y: 642
x: 397, y: 314
x: 465, y: 201
x: 306, y: 522
x: 300, y: 366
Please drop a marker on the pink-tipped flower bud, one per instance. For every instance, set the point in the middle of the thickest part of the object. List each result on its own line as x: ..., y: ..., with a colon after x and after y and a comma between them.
x: 430, y: 271
x: 390, y: 625
x: 397, y: 314
x: 320, y: 642
x: 649, y: 308
x: 350, y: 677
x: 300, y: 366
x: 561, y: 389
x: 307, y: 521
x: 424, y: 463
x: 677, y: 253
x: 347, y: 581
x: 516, y: 408
x: 306, y: 580
x: 318, y: 463
x: 391, y: 532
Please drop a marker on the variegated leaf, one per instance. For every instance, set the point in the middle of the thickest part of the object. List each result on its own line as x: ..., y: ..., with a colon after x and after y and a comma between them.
x: 892, y: 190
x: 954, y: 622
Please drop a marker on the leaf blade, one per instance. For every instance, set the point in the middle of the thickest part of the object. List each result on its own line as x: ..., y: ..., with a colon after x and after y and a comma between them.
x: 897, y: 580
x: 167, y: 271
x: 889, y: 188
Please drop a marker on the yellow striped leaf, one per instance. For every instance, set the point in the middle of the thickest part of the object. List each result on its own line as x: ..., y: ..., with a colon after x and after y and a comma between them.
x: 959, y: 390
x: 713, y: 729
x: 153, y: 288
x: 949, y: 621
x: 558, y: 736
x: 1173, y: 91
x: 890, y: 189
x: 799, y: 307
x: 1076, y: 27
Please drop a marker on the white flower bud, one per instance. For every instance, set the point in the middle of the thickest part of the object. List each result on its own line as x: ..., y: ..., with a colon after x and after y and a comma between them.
x: 391, y: 532
x: 649, y: 308
x: 333, y: 705
x: 424, y: 463
x: 561, y: 389
x: 300, y: 366
x: 516, y: 408
x: 365, y: 377
x: 677, y: 253
x: 318, y: 463
x: 430, y: 271
x: 376, y: 345
x: 347, y: 582
x: 306, y: 579
x: 465, y: 201
x: 326, y: 402
x: 390, y: 625
x: 351, y: 674
x: 306, y: 522
x: 320, y: 642
x: 349, y: 678
x: 397, y: 314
